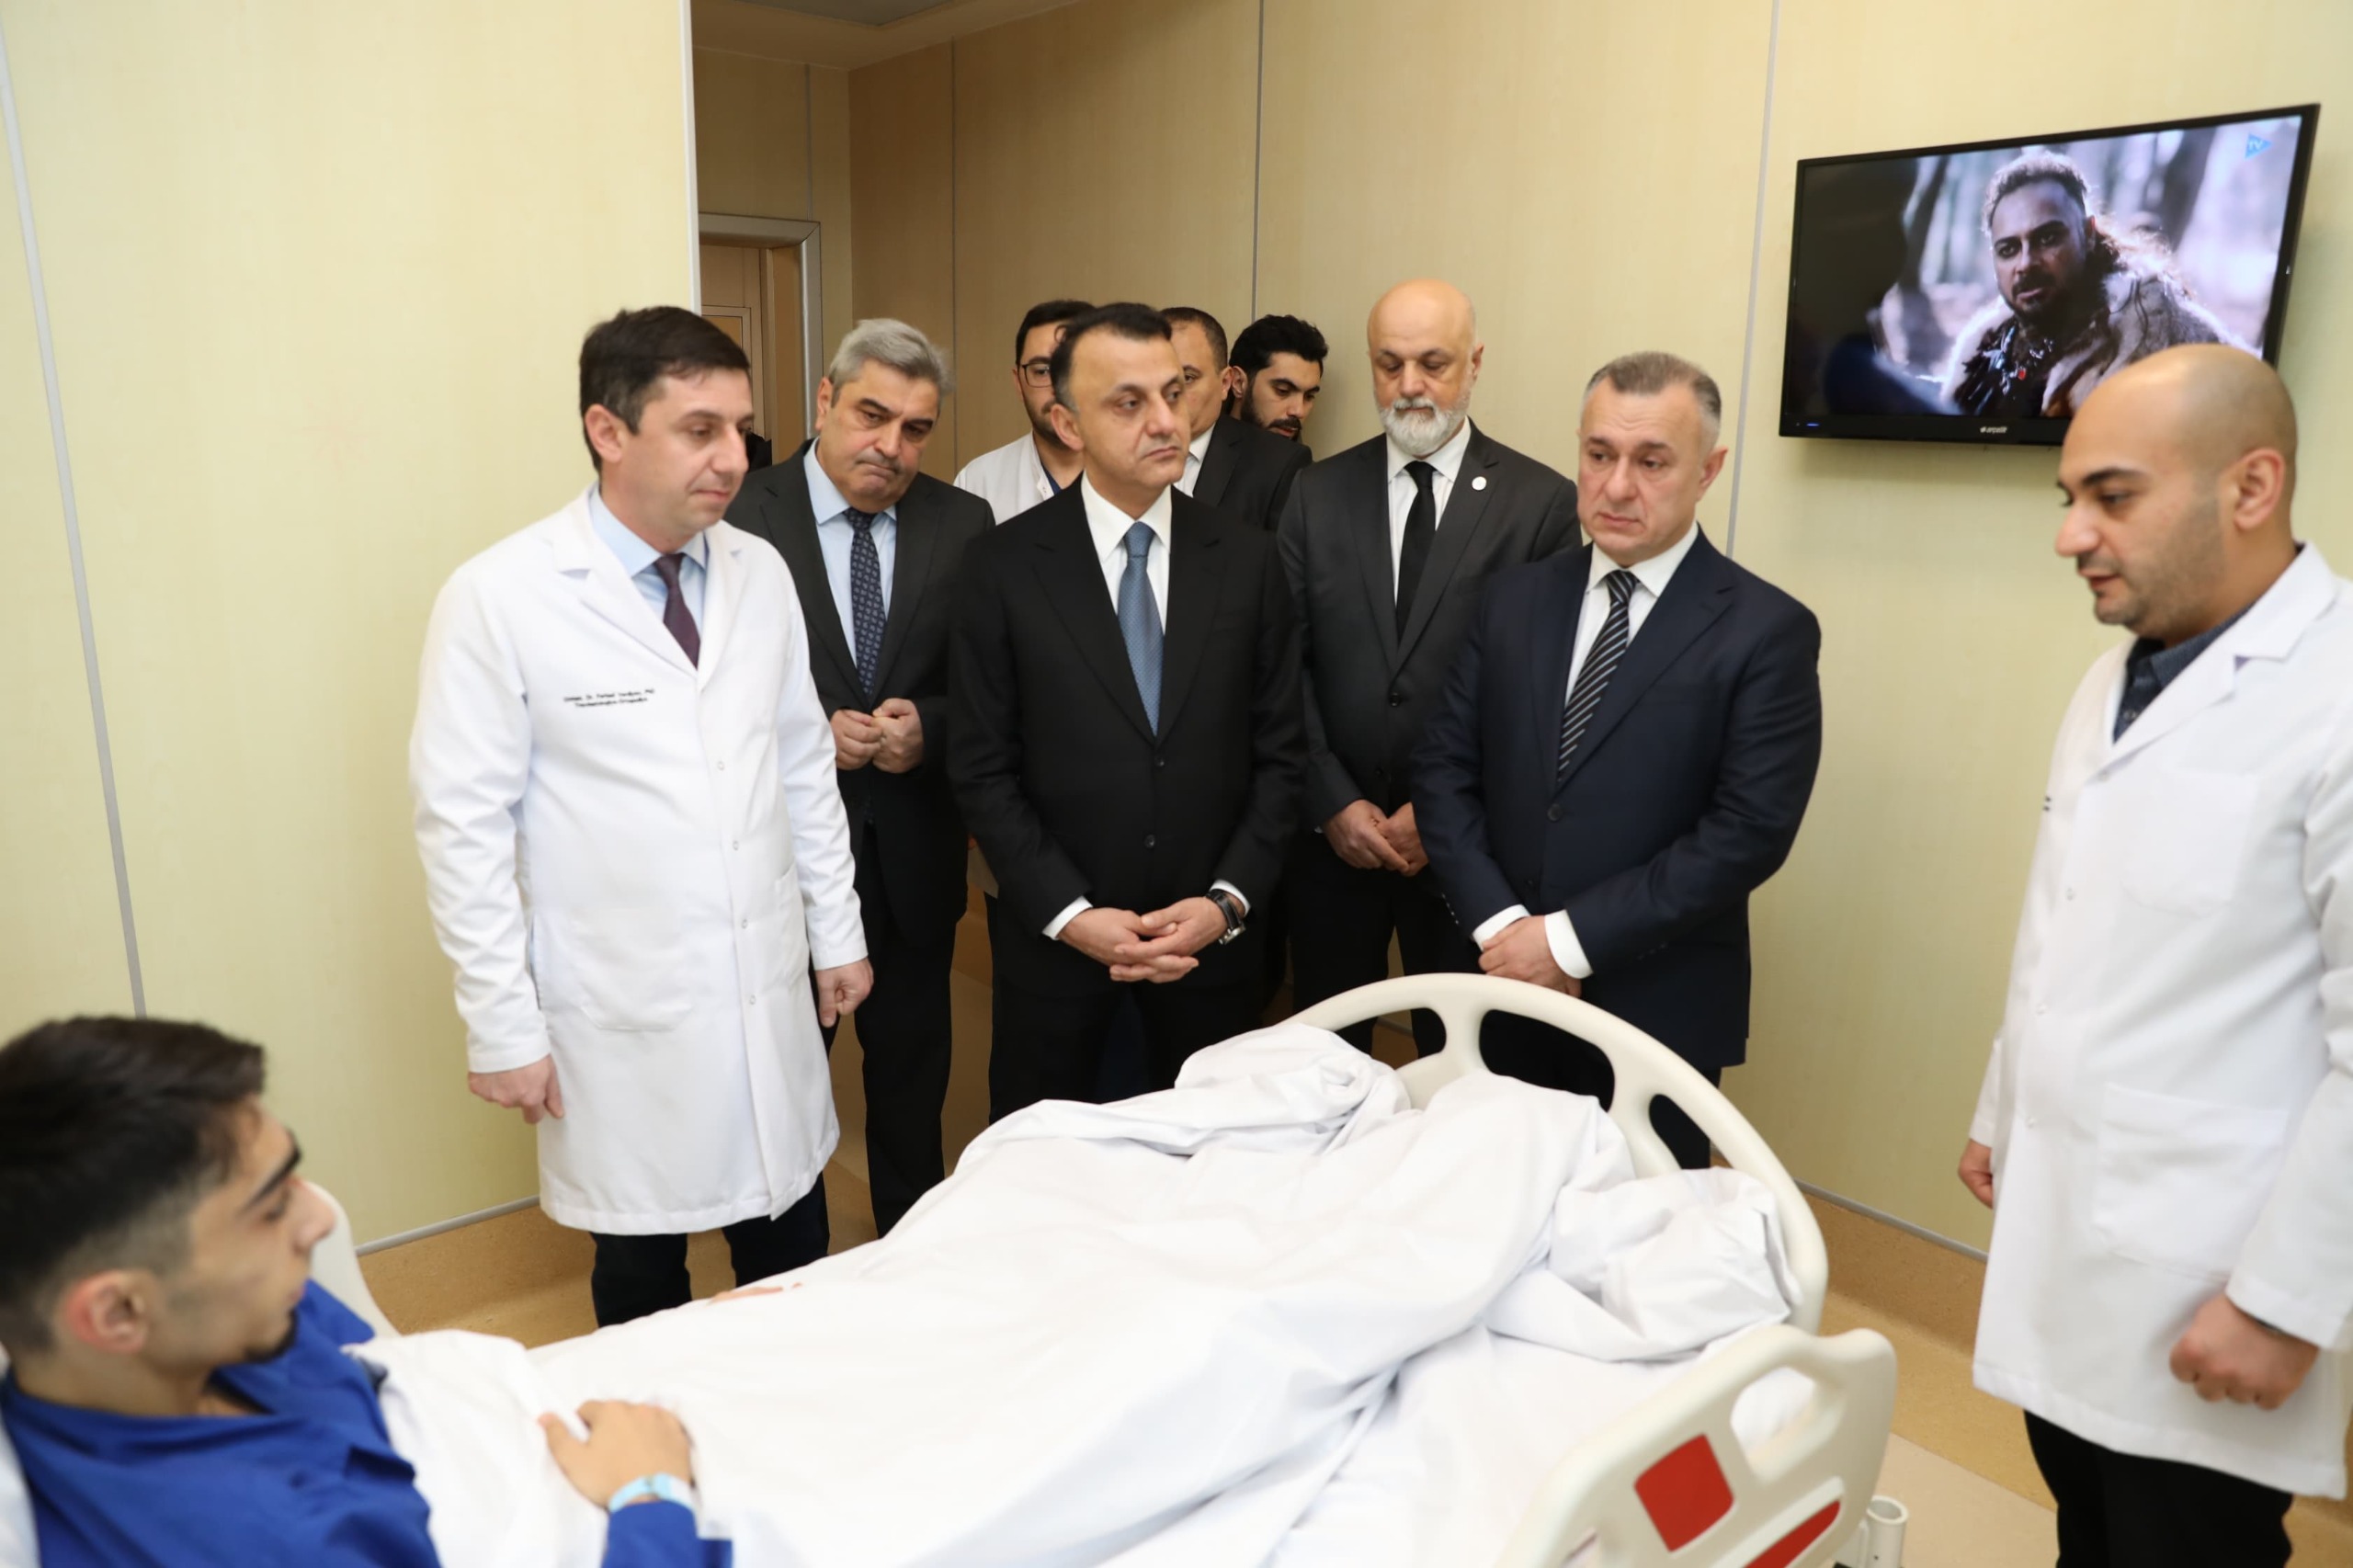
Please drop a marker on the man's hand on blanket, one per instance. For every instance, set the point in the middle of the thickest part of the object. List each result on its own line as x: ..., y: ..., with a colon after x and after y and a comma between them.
x: 1977, y: 1172
x: 531, y: 1090
x: 625, y: 1441
x: 1522, y: 951
x: 1108, y: 936
x: 839, y: 991
x: 2226, y: 1354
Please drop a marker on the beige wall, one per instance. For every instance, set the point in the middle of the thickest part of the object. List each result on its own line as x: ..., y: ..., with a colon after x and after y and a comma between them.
x: 318, y: 281
x: 1593, y: 186
x: 772, y: 140
x: 903, y: 176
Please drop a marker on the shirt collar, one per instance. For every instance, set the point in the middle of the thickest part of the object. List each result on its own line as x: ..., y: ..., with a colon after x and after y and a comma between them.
x: 1653, y: 573
x: 635, y: 554
x: 1447, y: 459
x: 2166, y: 662
x: 1200, y: 448
x: 824, y: 501
x: 1109, y: 526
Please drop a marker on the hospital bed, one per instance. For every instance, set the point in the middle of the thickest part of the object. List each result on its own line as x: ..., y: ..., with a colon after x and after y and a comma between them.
x: 1665, y: 1484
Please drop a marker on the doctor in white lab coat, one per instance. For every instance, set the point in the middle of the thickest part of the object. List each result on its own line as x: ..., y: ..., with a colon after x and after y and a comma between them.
x: 2166, y: 1131
x: 634, y: 847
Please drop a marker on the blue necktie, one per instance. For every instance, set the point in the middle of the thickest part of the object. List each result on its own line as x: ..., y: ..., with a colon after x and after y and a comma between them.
x: 865, y: 596
x: 1139, y: 623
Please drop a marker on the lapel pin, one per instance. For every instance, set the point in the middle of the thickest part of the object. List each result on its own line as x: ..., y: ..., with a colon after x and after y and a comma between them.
x: 1479, y: 482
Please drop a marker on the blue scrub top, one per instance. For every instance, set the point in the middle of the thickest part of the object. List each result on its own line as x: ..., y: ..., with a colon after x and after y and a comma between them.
x: 313, y: 1481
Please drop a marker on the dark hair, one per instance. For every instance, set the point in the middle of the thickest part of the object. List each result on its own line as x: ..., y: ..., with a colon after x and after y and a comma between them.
x: 1137, y: 323
x: 2034, y: 168
x: 1212, y: 328
x: 622, y: 358
x: 111, y: 1130
x: 1255, y: 348
x: 1052, y: 313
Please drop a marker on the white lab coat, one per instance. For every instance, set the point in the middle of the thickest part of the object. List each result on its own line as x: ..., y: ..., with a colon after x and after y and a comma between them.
x: 1011, y: 478
x: 633, y: 862
x: 2170, y: 1099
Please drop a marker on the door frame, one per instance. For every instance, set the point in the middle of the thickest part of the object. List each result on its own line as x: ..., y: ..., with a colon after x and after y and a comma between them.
x: 800, y: 231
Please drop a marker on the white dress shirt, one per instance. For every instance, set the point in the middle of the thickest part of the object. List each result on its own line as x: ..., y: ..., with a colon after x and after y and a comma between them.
x: 1193, y: 456
x: 835, y: 539
x: 1012, y: 479
x: 1651, y: 578
x: 1109, y: 527
x: 637, y: 558
x: 1448, y: 461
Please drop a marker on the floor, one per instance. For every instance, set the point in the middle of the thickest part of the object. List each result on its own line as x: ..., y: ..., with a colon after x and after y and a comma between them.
x: 1958, y: 1460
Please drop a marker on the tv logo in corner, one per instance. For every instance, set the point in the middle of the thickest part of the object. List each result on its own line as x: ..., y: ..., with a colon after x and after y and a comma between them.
x: 2257, y: 144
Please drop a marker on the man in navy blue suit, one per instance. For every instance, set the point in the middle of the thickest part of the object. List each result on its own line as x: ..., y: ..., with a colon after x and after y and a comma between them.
x: 1624, y: 751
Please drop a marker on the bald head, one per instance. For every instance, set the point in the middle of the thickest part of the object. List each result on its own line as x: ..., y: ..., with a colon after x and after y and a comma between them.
x: 1423, y: 337
x: 2178, y: 471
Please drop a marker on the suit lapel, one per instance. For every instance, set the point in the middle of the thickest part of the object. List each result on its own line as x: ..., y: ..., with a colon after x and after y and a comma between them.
x: 723, y: 594
x: 1699, y: 591
x: 909, y: 573
x: 1196, y: 579
x: 1466, y: 508
x: 793, y: 525
x: 1366, y: 521
x: 1218, y: 463
x: 594, y: 573
x: 1073, y: 583
x: 1572, y: 570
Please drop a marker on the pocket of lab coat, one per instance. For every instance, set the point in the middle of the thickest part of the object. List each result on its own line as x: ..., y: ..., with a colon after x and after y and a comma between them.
x: 2181, y: 1182
x: 2189, y: 839
x: 621, y: 968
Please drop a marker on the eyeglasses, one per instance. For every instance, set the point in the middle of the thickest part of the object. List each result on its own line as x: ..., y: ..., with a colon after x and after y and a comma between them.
x: 1037, y: 372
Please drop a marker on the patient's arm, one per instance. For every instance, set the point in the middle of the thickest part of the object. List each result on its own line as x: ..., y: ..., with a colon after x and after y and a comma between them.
x: 626, y: 1442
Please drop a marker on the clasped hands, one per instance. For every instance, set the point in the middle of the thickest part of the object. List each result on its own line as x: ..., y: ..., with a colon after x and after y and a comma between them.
x: 1371, y: 840
x: 2224, y: 1353
x: 1157, y: 947
x: 891, y: 737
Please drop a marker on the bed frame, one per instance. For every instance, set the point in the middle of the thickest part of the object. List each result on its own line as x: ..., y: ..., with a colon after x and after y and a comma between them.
x: 1668, y: 1485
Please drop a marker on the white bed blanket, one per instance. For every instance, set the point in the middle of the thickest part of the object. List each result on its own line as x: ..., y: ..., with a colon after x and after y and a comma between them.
x: 1138, y: 1334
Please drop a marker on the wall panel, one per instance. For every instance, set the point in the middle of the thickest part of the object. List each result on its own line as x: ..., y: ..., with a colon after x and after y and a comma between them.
x: 903, y: 218
x: 752, y: 135
x: 319, y: 277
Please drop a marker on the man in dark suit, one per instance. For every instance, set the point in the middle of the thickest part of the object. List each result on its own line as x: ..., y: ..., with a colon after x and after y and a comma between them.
x: 1624, y: 751
x: 875, y: 549
x: 1230, y: 463
x: 1126, y: 742
x: 1385, y: 546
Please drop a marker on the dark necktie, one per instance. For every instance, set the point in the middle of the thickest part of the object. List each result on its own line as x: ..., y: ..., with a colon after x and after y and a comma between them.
x: 674, y: 607
x: 865, y: 596
x: 1584, y: 696
x: 1421, y: 527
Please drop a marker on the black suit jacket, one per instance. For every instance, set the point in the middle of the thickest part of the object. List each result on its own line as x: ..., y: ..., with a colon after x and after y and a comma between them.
x: 918, y: 834
x: 1684, y: 794
x: 1066, y: 786
x: 1247, y: 471
x: 1368, y: 692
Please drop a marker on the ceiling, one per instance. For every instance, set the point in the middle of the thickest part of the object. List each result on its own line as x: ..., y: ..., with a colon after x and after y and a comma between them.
x: 867, y: 13
x: 816, y: 31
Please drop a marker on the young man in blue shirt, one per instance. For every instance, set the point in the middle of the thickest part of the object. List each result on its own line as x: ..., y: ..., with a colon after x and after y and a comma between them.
x: 177, y: 1392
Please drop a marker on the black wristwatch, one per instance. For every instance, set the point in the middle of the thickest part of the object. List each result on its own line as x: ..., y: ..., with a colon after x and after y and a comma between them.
x: 1231, y: 908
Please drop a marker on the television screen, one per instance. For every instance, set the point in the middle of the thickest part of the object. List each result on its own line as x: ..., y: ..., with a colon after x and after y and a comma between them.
x: 1980, y: 292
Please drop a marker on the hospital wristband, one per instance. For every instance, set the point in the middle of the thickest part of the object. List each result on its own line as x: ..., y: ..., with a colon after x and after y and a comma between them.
x: 656, y: 1488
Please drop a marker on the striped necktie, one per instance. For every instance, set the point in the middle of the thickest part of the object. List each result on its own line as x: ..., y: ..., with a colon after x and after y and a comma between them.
x: 1584, y: 696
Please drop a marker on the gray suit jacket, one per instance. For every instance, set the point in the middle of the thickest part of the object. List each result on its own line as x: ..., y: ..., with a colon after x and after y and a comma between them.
x: 1367, y: 691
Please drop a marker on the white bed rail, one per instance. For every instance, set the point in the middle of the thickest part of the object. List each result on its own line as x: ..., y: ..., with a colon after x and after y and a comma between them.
x: 1645, y: 1070
x: 1669, y: 1482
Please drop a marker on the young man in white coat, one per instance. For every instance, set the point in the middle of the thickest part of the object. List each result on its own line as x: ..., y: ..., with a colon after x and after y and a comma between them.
x: 2166, y: 1134
x: 634, y: 848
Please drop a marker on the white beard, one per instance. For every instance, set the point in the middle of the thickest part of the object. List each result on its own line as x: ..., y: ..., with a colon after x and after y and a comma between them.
x: 1420, y: 427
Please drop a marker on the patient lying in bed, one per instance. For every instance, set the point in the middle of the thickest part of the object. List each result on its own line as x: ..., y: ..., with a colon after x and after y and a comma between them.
x: 1143, y: 1332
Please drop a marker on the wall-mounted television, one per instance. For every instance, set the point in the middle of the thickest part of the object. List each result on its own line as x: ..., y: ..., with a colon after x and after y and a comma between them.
x: 1978, y: 292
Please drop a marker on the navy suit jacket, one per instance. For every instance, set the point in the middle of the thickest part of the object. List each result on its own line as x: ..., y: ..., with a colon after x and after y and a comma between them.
x: 1685, y: 793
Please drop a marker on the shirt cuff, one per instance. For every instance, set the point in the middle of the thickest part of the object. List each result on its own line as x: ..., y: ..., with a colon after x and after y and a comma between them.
x: 1567, y: 951
x: 1222, y: 885
x: 1077, y: 907
x: 1493, y: 925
